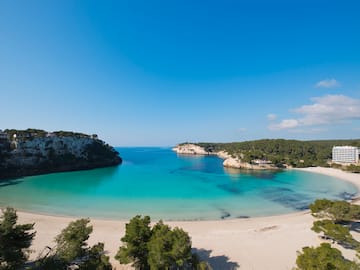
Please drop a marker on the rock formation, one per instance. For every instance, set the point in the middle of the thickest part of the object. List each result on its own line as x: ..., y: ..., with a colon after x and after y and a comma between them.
x: 31, y: 152
x: 190, y: 149
x: 229, y: 160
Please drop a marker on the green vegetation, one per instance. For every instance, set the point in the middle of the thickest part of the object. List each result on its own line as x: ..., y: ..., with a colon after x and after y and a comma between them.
x: 336, y: 232
x: 137, y: 235
x: 159, y: 248
x: 100, y: 151
x: 27, y: 133
x: 15, y: 241
x: 62, y: 133
x: 336, y: 218
x: 169, y: 248
x: 71, y: 243
x: 338, y: 211
x: 72, y: 249
x: 349, y: 168
x: 97, y: 260
x: 353, y: 168
x: 323, y: 257
x: 281, y: 152
x: 32, y: 133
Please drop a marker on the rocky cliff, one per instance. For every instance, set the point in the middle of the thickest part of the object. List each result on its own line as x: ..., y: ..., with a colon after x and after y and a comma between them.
x: 190, y: 149
x: 29, y: 152
x: 229, y: 160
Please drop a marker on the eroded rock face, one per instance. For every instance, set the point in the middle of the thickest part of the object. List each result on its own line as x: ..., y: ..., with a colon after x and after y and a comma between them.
x: 190, y: 149
x: 229, y: 160
x: 223, y: 155
x: 41, y: 155
x: 236, y: 163
x: 232, y: 163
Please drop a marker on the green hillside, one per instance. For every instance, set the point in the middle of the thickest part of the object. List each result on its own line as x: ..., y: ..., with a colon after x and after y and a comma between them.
x: 280, y: 151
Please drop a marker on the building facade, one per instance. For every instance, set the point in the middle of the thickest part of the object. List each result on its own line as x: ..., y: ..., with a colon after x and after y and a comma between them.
x: 345, y: 154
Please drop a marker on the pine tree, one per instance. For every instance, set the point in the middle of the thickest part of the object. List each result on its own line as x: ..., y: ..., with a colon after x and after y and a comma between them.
x: 15, y: 241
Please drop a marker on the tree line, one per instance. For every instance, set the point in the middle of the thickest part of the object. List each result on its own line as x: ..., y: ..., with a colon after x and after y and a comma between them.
x: 145, y: 247
x: 32, y: 133
x: 163, y: 248
x: 280, y: 151
x: 334, y: 222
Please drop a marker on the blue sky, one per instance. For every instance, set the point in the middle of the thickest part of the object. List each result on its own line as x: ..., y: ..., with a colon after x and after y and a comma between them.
x: 163, y: 72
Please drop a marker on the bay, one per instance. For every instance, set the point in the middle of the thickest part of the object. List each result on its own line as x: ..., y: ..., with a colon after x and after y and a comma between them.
x: 158, y: 182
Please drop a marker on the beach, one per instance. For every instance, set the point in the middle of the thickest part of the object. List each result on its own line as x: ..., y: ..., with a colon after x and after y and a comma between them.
x: 192, y: 113
x: 249, y: 243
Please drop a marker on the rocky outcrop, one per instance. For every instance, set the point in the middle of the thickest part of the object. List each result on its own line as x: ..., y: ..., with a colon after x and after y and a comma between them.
x: 55, y: 152
x: 229, y: 160
x: 232, y: 163
x: 190, y: 149
x: 223, y: 155
x: 236, y: 163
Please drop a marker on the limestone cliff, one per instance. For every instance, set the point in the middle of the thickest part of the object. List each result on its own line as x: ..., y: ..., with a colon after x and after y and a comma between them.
x: 229, y: 160
x: 190, y: 149
x: 236, y: 163
x: 31, y: 152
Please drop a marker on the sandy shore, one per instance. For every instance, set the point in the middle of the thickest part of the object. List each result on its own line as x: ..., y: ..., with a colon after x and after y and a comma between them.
x: 353, y: 178
x: 256, y: 243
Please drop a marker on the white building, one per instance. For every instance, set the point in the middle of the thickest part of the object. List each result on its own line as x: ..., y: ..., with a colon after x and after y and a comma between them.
x: 345, y: 154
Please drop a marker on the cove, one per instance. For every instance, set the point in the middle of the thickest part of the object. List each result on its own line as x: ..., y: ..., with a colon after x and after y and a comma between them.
x: 164, y: 185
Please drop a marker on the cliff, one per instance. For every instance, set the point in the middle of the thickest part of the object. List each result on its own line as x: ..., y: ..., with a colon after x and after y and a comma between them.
x: 229, y: 160
x: 31, y: 152
x: 237, y: 163
x: 190, y: 149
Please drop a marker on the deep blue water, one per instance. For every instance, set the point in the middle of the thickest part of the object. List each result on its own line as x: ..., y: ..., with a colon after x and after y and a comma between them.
x: 162, y: 184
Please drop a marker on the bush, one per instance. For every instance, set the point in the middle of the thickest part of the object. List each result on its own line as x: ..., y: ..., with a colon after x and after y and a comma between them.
x: 159, y: 248
x: 339, y: 211
x: 323, y: 258
x: 336, y: 232
x: 137, y: 235
x: 72, y: 249
x: 15, y: 241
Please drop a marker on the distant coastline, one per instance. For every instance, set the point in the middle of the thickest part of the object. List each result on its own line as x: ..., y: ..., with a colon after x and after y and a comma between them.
x: 230, y: 161
x: 271, y: 154
x: 233, y: 162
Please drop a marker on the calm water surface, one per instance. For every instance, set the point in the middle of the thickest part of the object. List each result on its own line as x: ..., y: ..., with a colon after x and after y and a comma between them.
x: 159, y: 183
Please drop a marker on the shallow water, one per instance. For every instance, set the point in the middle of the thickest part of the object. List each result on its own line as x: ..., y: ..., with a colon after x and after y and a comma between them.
x: 162, y: 184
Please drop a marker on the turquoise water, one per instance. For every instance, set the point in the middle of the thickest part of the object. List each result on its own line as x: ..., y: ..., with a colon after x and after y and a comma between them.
x: 159, y: 183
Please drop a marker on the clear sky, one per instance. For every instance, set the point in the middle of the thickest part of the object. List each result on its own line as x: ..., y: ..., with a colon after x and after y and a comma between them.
x: 164, y: 72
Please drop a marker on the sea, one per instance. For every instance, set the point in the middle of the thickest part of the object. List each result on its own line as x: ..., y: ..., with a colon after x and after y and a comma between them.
x: 160, y: 183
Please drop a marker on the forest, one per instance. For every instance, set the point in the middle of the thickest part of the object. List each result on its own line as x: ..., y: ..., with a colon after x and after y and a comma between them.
x: 282, y: 152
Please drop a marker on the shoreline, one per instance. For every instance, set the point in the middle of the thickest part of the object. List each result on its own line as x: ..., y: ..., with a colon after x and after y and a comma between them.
x: 229, y: 242
x: 352, y: 178
x: 224, y: 243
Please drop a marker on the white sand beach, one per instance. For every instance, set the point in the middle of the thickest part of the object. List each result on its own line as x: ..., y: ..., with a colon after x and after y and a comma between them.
x: 346, y: 176
x: 250, y: 244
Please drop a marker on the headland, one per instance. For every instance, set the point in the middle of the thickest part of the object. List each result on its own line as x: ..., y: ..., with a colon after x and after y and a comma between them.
x: 34, y: 151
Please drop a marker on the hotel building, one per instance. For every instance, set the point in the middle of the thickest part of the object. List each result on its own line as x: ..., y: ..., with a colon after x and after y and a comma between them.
x: 345, y: 154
